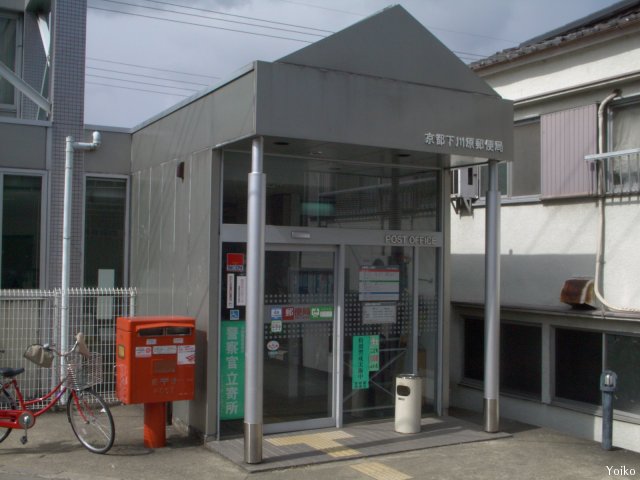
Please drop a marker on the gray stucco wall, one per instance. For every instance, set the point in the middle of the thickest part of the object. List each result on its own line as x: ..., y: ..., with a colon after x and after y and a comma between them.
x: 113, y: 156
x: 23, y: 146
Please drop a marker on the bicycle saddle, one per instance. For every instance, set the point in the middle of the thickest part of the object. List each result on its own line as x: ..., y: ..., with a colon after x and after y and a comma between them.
x: 11, y: 372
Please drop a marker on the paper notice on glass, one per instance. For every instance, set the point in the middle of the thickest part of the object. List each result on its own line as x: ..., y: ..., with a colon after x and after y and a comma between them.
x: 379, y: 284
x: 375, y: 313
x: 231, y: 288
x: 241, y: 291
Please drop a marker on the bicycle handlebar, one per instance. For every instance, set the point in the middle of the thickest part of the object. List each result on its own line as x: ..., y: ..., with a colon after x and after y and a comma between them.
x: 80, y: 346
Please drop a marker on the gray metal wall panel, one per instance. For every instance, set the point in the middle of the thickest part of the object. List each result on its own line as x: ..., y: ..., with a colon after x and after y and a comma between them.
x: 566, y: 137
x: 113, y: 156
x: 134, y: 231
x: 23, y: 146
x: 199, y: 242
x: 331, y: 106
x: 222, y: 116
x: 181, y: 254
x: 166, y: 200
x: 140, y: 256
x: 155, y: 224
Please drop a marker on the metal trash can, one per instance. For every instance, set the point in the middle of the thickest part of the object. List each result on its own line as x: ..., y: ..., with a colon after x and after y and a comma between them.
x: 408, y: 403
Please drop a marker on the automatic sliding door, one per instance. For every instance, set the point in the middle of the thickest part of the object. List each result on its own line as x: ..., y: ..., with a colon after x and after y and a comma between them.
x: 298, y: 364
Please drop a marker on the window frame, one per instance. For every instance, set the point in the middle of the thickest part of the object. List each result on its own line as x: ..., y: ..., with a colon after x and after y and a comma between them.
x: 127, y: 216
x: 504, y: 389
x: 13, y: 108
x: 631, y: 101
x: 509, y: 197
x: 555, y: 399
x: 44, y: 238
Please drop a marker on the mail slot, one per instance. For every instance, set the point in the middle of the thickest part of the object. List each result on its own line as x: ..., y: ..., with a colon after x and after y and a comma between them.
x: 155, y: 359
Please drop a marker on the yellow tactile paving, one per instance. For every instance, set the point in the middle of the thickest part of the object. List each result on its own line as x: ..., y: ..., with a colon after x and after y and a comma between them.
x: 325, y: 442
x: 379, y: 471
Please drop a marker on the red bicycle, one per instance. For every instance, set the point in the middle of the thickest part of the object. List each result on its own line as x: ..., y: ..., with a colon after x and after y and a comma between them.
x: 88, y: 414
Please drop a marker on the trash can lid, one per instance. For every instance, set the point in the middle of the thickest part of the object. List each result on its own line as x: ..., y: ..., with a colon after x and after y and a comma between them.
x: 407, y: 375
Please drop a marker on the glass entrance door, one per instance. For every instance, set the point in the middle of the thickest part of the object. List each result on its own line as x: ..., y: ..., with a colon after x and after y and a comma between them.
x: 390, y: 326
x: 299, y: 338
x: 340, y: 323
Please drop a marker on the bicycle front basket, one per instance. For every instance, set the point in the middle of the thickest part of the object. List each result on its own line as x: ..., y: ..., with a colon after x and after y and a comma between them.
x: 83, y: 372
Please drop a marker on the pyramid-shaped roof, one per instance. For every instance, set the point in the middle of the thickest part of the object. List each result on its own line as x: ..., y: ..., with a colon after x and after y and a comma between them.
x: 391, y: 44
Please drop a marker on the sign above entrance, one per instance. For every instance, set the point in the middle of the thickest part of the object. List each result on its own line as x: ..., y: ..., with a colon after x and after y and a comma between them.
x: 466, y: 143
x: 413, y: 240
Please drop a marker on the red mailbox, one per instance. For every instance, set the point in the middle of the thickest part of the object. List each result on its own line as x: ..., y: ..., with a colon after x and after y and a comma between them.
x: 155, y: 359
x: 155, y: 364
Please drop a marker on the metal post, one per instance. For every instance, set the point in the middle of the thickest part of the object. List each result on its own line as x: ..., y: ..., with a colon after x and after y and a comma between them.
x: 255, y: 307
x: 492, y: 304
x: 608, y: 385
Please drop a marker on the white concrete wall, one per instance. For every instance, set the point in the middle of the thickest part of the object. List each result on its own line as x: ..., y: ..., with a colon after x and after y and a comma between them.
x: 543, y: 245
x: 625, y: 435
x: 568, y: 68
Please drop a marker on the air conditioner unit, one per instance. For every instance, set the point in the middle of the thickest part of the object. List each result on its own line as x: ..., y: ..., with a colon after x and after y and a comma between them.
x: 465, y: 189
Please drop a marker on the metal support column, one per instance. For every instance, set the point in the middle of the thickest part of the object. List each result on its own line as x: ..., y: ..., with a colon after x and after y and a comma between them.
x: 253, y: 414
x: 492, y: 304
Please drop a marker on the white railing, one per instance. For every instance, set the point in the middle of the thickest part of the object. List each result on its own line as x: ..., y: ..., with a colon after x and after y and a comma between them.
x: 620, y: 172
x: 33, y: 316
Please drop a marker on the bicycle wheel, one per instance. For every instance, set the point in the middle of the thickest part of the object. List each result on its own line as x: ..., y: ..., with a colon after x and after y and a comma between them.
x: 6, y: 403
x: 91, y: 420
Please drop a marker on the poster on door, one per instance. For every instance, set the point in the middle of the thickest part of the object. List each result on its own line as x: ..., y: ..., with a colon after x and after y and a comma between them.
x: 379, y: 313
x: 377, y: 284
x: 366, y: 359
x: 232, y: 343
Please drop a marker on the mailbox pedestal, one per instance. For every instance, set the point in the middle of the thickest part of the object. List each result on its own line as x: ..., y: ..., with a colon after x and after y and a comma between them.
x: 155, y: 364
x: 155, y: 432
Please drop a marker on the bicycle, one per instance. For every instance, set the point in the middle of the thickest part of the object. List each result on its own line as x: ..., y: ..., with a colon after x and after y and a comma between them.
x: 88, y: 414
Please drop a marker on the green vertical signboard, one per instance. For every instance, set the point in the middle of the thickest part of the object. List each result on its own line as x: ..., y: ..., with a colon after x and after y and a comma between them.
x: 232, y: 370
x: 360, y: 363
x: 366, y: 358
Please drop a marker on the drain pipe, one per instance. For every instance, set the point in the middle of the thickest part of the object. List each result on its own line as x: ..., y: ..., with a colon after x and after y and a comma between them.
x: 601, y: 208
x: 71, y: 147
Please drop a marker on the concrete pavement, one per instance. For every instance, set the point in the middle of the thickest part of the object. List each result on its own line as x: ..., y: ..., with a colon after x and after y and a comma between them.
x: 530, y: 453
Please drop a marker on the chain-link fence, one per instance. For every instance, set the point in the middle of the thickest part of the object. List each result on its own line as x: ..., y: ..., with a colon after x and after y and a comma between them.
x: 33, y: 317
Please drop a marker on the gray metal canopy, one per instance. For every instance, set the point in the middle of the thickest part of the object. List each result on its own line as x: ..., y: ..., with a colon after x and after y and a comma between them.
x: 383, y: 85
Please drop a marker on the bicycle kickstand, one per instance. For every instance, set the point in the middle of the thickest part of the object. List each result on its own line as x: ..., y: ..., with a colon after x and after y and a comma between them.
x: 26, y: 421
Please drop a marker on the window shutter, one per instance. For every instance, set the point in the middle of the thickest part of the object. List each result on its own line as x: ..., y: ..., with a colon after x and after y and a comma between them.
x: 567, y: 136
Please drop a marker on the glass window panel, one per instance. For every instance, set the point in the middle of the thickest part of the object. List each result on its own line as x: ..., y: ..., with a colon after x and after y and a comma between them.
x: 474, y: 349
x: 525, y: 173
x: 21, y: 214
x: 623, y: 357
x: 8, y: 27
x: 520, y: 353
x: 104, y: 232
x: 521, y: 359
x: 626, y: 127
x: 322, y: 193
x: 502, y: 179
x: 578, y: 365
